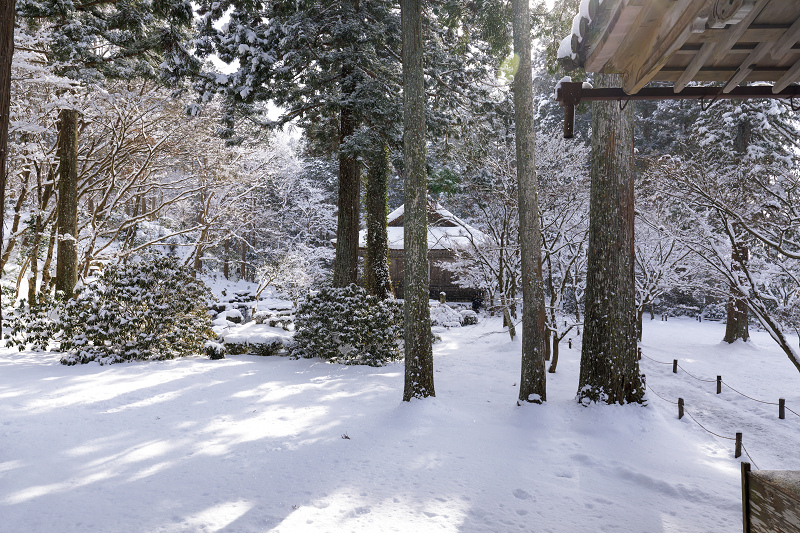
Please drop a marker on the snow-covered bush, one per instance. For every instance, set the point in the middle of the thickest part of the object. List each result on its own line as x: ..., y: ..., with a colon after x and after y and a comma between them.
x: 214, y: 350
x: 346, y: 325
x: 469, y: 317
x: 32, y: 326
x: 444, y: 315
x: 150, y: 309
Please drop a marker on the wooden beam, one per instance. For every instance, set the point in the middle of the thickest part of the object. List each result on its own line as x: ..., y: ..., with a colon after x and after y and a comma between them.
x: 603, y: 46
x: 787, y: 41
x: 792, y: 75
x: 694, y: 67
x: 662, y: 30
x: 747, y: 65
x: 733, y: 34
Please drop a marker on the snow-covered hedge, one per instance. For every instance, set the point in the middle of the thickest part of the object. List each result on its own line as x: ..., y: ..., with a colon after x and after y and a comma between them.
x: 149, y: 309
x: 346, y: 325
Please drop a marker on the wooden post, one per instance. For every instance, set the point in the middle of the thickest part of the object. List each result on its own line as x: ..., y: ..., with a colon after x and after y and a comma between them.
x: 442, y: 297
x: 745, y: 497
x: 639, y: 353
x: 737, y: 452
x: 719, y: 384
x: 569, y: 343
x: 781, y: 408
x: 674, y: 366
x: 680, y: 408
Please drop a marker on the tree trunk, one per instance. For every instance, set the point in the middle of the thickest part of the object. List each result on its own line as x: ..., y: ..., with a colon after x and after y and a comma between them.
x: 46, y: 279
x: 7, y: 10
x: 376, y: 259
x: 243, y: 261
x: 67, y: 254
x: 418, y: 350
x: 639, y: 324
x: 345, y: 265
x: 554, y: 362
x: 533, y: 380
x: 736, y: 326
x: 226, y: 264
x: 609, y: 366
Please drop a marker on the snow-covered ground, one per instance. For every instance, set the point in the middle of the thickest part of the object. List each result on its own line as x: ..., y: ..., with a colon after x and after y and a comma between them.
x: 255, y: 444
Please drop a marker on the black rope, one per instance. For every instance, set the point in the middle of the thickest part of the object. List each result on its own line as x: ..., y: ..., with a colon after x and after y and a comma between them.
x: 746, y: 396
x: 751, y: 459
x: 791, y: 410
x: 695, y: 377
x: 659, y: 362
x: 702, y: 426
x: 657, y: 394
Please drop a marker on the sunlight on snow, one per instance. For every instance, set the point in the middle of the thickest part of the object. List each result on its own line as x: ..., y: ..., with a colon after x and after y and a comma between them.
x: 217, y: 517
x: 350, y: 510
x: 43, y: 490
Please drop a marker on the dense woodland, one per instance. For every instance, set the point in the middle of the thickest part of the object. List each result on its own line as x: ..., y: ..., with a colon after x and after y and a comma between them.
x: 243, y: 138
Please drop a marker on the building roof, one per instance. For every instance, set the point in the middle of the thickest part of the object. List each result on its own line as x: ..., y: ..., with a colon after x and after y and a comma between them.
x: 445, y: 230
x: 683, y: 41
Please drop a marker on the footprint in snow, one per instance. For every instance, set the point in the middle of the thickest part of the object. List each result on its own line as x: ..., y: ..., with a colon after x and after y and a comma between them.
x: 521, y: 494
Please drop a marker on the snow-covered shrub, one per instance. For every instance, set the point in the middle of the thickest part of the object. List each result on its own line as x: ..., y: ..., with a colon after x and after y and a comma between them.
x: 150, y: 309
x: 214, y: 350
x: 280, y: 319
x: 469, y: 317
x: 346, y: 325
x: 444, y: 315
x: 32, y: 326
x: 715, y: 311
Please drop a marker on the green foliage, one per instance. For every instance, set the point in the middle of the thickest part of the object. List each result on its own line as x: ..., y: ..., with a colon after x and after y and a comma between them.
x: 32, y: 325
x: 348, y: 326
x: 151, y: 309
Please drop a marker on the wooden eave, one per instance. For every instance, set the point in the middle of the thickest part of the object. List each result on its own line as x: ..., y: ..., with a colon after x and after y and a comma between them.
x: 683, y: 41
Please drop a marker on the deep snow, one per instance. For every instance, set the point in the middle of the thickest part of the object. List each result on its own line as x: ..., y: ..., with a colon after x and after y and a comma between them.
x: 256, y: 444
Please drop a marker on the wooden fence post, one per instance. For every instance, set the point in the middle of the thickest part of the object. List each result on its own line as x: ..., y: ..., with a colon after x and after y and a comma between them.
x: 745, y: 497
x: 737, y: 451
x: 719, y: 384
x: 674, y: 366
x: 680, y: 408
x: 781, y: 408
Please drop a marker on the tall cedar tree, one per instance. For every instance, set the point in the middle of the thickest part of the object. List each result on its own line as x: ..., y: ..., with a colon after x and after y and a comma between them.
x: 6, y: 55
x: 609, y: 366
x: 331, y: 65
x: 418, y: 349
x: 534, y: 335
x: 334, y: 66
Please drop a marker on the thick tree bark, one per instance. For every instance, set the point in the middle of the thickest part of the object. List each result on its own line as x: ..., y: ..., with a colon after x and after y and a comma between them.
x: 7, y: 10
x: 67, y: 254
x: 736, y: 327
x: 376, y: 260
x: 418, y: 350
x: 609, y: 366
x: 345, y: 265
x: 533, y: 384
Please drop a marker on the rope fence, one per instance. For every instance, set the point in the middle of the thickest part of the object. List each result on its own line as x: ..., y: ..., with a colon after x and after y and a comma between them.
x: 781, y: 403
x: 675, y: 366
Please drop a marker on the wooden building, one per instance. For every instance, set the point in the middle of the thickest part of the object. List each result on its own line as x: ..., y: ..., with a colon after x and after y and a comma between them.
x: 447, y: 235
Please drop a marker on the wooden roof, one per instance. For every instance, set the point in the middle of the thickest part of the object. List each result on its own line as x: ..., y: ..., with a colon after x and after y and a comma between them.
x: 682, y: 41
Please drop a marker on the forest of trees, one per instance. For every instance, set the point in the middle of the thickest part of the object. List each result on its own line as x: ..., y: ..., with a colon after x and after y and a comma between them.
x: 123, y: 137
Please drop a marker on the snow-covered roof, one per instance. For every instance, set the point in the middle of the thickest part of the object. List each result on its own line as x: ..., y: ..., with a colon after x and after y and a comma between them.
x: 445, y: 230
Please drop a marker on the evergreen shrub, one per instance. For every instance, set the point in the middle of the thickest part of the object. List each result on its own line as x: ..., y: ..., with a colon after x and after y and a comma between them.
x: 151, y: 309
x: 348, y: 326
